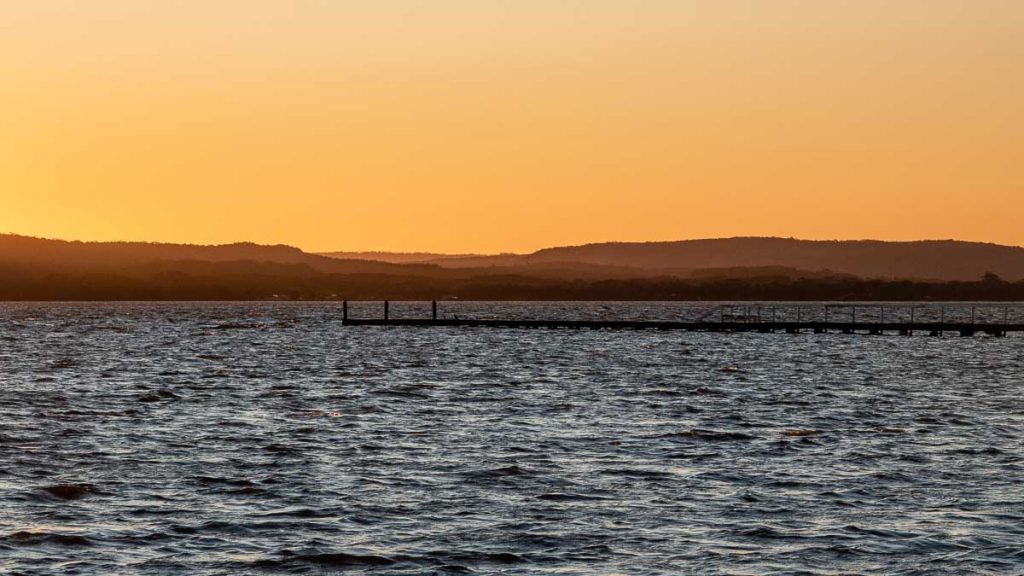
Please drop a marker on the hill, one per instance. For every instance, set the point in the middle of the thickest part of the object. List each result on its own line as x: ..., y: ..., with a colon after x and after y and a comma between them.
x: 734, y: 269
x: 96, y: 256
x: 935, y: 259
x: 942, y: 260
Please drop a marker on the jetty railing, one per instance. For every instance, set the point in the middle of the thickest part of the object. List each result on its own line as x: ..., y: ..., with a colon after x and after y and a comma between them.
x: 965, y: 319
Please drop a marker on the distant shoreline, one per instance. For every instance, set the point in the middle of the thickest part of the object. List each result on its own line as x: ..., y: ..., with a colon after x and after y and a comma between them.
x: 336, y: 288
x: 457, y: 302
x: 736, y: 269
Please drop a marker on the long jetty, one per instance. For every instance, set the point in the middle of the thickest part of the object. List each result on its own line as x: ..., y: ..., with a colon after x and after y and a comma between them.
x: 723, y: 318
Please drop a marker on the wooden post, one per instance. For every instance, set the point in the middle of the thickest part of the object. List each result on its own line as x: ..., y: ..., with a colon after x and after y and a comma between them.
x: 386, y: 310
x: 853, y: 313
x: 912, y: 310
x: 344, y: 311
x: 433, y: 306
x: 972, y: 315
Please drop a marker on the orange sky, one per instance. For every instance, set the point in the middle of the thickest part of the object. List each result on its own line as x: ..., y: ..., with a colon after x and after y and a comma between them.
x: 476, y: 125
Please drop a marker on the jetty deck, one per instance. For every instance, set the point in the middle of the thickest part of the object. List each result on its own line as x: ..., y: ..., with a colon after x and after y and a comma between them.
x: 722, y: 319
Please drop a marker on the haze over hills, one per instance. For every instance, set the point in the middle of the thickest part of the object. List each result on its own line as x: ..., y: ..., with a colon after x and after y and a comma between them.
x: 928, y: 259
x: 399, y: 257
x: 730, y: 269
x: 941, y: 260
x: 138, y: 257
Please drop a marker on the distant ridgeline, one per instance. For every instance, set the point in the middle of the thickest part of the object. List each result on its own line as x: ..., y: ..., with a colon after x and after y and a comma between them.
x: 727, y: 269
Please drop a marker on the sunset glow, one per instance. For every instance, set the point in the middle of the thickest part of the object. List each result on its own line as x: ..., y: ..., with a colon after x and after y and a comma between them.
x: 470, y: 126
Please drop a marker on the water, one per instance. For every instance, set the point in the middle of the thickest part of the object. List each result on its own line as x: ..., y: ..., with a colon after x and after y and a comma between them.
x: 266, y: 438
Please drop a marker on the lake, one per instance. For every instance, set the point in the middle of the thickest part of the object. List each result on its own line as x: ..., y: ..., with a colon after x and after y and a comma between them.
x: 247, y: 438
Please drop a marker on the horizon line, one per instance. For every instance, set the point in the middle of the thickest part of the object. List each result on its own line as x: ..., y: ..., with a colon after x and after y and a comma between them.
x: 425, y: 252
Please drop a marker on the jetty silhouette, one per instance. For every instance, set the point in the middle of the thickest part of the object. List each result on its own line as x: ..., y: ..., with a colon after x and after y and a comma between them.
x: 905, y: 320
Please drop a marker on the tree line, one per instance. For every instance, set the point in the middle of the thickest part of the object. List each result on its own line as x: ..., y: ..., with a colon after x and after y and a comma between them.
x: 180, y: 281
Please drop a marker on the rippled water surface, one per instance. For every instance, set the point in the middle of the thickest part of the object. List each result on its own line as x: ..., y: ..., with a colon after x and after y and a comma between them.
x: 267, y: 438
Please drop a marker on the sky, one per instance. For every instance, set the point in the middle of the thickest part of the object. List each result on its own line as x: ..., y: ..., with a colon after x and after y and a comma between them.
x: 495, y: 126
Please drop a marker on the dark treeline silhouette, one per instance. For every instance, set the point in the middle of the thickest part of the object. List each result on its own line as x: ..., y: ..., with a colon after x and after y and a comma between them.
x: 247, y: 280
x: 40, y: 269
